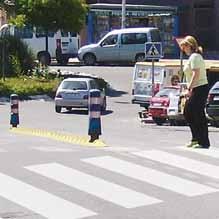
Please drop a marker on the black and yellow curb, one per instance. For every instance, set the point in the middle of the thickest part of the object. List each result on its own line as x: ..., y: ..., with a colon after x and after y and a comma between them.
x: 73, y: 139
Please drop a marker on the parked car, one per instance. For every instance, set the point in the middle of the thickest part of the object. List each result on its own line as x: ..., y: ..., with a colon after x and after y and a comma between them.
x: 159, y: 104
x: 212, y: 106
x: 123, y: 45
x: 74, y: 93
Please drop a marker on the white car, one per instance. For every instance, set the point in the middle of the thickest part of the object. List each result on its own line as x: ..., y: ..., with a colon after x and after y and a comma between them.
x: 74, y: 93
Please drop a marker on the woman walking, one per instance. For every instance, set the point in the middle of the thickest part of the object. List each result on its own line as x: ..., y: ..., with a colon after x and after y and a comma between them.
x: 197, y: 93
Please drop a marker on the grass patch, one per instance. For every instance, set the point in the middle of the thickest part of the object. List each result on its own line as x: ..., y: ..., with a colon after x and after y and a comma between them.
x: 26, y: 86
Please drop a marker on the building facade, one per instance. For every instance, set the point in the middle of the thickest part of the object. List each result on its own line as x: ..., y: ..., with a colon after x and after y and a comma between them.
x: 103, y: 18
x: 196, y: 17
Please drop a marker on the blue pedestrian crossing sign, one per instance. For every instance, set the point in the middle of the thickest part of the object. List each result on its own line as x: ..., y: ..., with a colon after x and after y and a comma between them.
x: 153, y: 50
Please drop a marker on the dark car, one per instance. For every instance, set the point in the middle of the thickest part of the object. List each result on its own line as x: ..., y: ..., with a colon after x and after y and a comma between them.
x: 212, y: 107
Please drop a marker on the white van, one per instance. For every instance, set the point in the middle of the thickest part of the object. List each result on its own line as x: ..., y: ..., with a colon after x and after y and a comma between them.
x: 61, y: 45
x: 142, y: 79
x: 123, y: 45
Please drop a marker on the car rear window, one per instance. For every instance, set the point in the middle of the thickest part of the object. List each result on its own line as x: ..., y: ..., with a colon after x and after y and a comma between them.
x: 166, y: 92
x: 74, y: 85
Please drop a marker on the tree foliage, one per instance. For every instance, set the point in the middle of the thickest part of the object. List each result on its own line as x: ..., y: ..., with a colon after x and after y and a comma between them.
x: 68, y: 15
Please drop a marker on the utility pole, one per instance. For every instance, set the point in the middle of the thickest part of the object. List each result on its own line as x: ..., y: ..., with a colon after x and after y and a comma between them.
x: 123, y: 13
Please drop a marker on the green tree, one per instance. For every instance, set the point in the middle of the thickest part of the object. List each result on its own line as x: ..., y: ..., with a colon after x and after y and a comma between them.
x: 51, y: 15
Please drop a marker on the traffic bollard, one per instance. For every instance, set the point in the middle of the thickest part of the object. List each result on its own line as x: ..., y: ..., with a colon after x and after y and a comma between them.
x: 14, y: 121
x: 94, y: 115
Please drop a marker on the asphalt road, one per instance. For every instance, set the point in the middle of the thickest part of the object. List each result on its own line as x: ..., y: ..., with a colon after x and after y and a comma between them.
x: 143, y: 171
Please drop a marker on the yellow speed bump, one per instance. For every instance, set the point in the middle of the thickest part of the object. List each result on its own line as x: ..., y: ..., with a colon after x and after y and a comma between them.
x: 73, y: 139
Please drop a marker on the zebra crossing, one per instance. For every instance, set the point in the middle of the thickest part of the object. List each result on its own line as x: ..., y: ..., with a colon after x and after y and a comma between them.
x: 51, y: 206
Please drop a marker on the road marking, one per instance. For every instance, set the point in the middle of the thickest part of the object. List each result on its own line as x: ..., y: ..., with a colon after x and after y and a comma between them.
x: 39, y: 201
x: 53, y: 149
x: 98, y: 187
x: 157, y: 178
x: 199, y: 167
x: 211, y: 152
x: 73, y: 139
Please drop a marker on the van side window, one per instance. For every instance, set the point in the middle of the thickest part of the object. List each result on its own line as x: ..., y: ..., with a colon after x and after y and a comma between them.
x: 73, y: 34
x: 141, y: 38
x: 41, y: 33
x: 134, y: 38
x: 64, y: 34
x: 25, y: 32
x: 155, y: 36
x: 128, y: 38
x: 110, y: 40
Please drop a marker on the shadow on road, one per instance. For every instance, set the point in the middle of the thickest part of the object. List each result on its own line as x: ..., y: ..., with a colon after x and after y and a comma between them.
x: 115, y: 93
x: 85, y: 112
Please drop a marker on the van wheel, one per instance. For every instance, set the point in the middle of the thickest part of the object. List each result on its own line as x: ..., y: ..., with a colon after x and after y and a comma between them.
x: 89, y: 59
x: 62, y: 61
x: 44, y: 58
x: 140, y: 57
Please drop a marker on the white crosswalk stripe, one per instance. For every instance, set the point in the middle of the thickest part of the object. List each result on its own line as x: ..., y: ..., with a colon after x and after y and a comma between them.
x: 45, y: 204
x: 40, y: 201
x: 163, y: 180
x: 185, y: 163
x: 212, y: 152
x: 93, y: 185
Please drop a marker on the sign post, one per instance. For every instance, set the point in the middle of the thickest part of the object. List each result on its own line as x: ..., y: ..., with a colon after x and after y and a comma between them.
x: 153, y: 51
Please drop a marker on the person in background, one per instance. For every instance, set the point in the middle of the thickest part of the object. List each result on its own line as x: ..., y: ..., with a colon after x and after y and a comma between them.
x: 175, y: 80
x: 197, y: 92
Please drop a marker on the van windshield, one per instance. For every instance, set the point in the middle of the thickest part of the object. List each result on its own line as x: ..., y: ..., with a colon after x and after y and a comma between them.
x: 145, y: 73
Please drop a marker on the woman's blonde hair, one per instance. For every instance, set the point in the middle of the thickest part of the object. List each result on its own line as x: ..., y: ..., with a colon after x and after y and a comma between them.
x: 192, y: 42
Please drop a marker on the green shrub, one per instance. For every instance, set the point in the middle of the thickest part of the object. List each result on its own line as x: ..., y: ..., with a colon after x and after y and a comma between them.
x: 19, y: 59
x: 26, y: 86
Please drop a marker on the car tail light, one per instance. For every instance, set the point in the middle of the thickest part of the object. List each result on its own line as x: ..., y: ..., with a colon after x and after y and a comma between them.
x: 210, y: 97
x: 58, y: 43
x: 85, y: 97
x: 59, y: 95
x: 166, y: 103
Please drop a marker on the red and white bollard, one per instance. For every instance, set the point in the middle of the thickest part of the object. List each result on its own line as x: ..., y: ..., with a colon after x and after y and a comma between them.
x: 94, y: 129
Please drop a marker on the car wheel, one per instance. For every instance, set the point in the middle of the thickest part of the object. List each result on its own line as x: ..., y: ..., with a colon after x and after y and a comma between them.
x: 159, y: 121
x: 140, y: 57
x: 214, y: 123
x: 58, y: 109
x: 89, y: 59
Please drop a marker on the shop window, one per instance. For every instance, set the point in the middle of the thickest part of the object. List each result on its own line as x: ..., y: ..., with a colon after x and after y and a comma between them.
x: 203, y: 18
x: 155, y: 36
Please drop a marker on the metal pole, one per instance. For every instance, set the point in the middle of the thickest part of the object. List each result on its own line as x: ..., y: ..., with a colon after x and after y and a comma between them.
x: 152, y: 77
x: 181, y: 66
x: 3, y: 58
x: 123, y: 13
